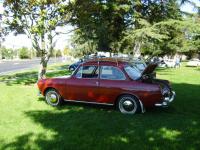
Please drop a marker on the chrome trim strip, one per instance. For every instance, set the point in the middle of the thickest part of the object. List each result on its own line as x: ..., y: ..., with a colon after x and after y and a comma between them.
x: 142, y: 106
x: 88, y: 102
x: 173, y: 96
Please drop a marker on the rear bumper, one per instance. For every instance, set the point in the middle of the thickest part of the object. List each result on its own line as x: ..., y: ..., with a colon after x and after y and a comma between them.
x: 167, y: 100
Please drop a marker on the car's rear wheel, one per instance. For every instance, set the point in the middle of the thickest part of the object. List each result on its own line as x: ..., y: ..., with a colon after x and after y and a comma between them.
x: 53, y: 98
x: 128, y: 104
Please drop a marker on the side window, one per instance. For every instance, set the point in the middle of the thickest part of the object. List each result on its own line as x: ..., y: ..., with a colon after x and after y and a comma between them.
x: 79, y: 72
x: 111, y: 73
x: 87, y: 72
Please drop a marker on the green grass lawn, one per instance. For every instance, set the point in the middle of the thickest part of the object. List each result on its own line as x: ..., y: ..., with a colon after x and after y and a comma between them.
x: 27, y: 122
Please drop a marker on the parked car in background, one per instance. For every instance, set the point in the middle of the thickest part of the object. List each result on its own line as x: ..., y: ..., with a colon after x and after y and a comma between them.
x: 109, y: 81
x: 171, y: 63
x: 73, y: 66
x: 193, y: 63
x: 162, y: 64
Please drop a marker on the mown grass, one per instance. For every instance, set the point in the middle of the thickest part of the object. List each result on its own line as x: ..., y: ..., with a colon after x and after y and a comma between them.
x: 27, y: 122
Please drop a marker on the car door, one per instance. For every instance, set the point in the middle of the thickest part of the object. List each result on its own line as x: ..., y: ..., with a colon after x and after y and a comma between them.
x: 111, y: 82
x: 83, y: 86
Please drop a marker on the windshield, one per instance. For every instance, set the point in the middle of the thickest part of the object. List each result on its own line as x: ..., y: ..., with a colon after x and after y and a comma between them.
x: 133, y: 72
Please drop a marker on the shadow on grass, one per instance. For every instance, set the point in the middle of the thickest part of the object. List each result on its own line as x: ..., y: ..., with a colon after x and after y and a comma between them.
x: 84, y: 127
x: 25, y: 78
x: 28, y: 78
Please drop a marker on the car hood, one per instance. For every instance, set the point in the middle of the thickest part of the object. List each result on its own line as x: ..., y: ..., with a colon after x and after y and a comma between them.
x: 149, y: 69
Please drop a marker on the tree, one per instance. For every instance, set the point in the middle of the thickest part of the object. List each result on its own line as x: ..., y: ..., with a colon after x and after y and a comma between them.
x: 146, y: 14
x: 146, y: 39
x: 38, y: 20
x: 66, y: 51
x: 167, y: 37
x: 107, y: 22
x: 7, y: 53
x: 24, y: 53
x: 101, y: 21
x: 58, y: 53
x: 81, y: 46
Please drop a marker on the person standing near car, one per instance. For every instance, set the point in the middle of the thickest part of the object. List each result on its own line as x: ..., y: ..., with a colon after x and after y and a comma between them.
x: 177, y: 62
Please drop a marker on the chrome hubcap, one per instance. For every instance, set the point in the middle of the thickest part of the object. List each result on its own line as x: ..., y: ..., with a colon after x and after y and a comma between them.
x: 127, y: 105
x: 52, y: 98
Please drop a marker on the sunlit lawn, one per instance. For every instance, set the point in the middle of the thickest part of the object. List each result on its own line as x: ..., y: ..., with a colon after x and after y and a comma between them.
x: 27, y: 122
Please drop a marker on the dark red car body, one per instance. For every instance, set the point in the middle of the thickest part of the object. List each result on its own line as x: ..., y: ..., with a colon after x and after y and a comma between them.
x: 101, y: 91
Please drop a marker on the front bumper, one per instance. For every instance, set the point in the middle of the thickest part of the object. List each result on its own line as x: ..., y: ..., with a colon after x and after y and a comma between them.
x: 39, y: 93
x: 167, y: 100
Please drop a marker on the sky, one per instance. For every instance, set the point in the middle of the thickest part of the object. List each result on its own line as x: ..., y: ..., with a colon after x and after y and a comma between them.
x: 189, y: 8
x: 64, y: 39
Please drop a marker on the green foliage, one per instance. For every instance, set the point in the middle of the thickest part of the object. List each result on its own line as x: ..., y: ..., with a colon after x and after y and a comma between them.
x: 165, y: 37
x: 66, y: 51
x: 81, y: 46
x: 155, y: 27
x: 182, y: 35
x: 24, y: 53
x: 119, y: 25
x: 38, y: 20
x: 101, y: 21
x: 7, y: 53
x: 58, y: 53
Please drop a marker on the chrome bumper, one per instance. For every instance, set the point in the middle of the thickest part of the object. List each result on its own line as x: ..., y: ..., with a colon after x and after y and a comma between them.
x: 167, y: 100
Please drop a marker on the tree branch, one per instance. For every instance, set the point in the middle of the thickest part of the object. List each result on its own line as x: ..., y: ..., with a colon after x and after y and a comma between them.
x: 67, y: 32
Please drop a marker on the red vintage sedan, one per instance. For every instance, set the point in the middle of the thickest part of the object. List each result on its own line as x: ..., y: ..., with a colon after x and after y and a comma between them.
x: 109, y: 82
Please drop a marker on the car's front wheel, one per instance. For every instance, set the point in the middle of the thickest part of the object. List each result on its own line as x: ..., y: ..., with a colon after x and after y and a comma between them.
x: 53, y: 98
x: 128, y: 104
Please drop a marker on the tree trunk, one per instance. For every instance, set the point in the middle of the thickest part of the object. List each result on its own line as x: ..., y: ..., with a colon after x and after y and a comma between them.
x: 110, y: 53
x: 43, y: 68
x: 136, y: 49
x: 44, y: 59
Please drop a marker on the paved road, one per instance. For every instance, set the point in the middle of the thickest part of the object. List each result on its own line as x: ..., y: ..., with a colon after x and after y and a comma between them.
x: 7, y: 66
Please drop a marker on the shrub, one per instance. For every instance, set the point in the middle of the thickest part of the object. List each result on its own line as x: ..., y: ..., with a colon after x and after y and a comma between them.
x: 24, y: 53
